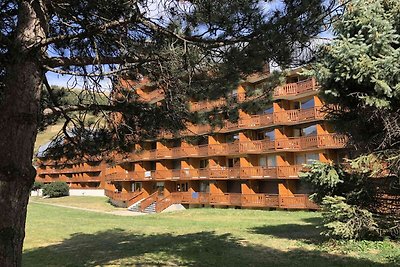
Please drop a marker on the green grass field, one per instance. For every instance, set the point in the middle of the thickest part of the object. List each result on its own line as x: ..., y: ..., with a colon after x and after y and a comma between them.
x: 94, y: 203
x: 47, y: 135
x: 197, y: 237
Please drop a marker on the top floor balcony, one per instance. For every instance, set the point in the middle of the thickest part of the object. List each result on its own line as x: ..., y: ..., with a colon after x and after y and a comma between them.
x: 287, y: 91
x: 69, y: 170
x: 299, y: 89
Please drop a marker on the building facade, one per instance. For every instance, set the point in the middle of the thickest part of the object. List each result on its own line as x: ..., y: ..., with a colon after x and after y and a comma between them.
x: 253, y: 162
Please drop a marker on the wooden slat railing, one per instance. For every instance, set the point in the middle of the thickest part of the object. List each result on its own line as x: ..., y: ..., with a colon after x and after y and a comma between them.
x: 298, y: 201
x: 135, y: 198
x: 148, y: 201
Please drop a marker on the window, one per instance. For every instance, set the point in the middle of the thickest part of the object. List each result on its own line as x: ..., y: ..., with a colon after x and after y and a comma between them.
x: 311, y: 158
x: 232, y: 162
x: 300, y: 159
x: 262, y: 161
x: 311, y: 130
x: 203, y: 163
x: 270, y: 135
x: 232, y: 138
x: 269, y: 110
x: 137, y: 186
x: 271, y: 161
x: 204, y: 187
x: 176, y: 164
x: 307, y: 104
x: 152, y: 165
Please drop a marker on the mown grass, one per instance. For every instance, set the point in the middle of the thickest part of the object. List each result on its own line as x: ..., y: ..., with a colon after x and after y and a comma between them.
x: 197, y: 237
x: 86, y: 202
x: 48, y: 134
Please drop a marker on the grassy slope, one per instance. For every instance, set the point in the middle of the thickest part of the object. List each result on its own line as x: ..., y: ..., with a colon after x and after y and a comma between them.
x: 197, y: 237
x: 88, y: 202
x: 47, y: 135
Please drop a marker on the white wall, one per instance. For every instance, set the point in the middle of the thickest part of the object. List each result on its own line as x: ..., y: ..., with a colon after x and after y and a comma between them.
x: 37, y: 193
x: 87, y: 192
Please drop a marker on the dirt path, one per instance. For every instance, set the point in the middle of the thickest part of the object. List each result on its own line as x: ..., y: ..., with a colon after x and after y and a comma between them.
x: 117, y: 212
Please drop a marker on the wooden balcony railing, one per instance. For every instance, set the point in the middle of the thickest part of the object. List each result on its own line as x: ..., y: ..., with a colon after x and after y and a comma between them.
x: 207, y: 105
x: 298, y: 201
x: 245, y: 147
x: 255, y: 172
x: 154, y: 95
x: 72, y: 169
x: 84, y: 178
x: 286, y: 117
x: 294, y: 89
x: 121, y: 196
x: 290, y: 89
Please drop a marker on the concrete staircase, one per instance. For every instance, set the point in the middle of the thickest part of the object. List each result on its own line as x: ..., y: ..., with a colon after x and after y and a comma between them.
x: 135, y: 207
x: 151, y: 208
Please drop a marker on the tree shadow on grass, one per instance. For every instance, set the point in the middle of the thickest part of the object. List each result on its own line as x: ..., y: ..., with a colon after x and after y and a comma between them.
x: 118, y: 247
x: 309, y: 233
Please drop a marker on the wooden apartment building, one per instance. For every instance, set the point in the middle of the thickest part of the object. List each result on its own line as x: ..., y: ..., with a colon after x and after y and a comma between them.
x: 253, y: 162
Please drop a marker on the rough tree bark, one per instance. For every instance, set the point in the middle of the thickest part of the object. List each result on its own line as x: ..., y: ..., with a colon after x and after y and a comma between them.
x: 19, y: 107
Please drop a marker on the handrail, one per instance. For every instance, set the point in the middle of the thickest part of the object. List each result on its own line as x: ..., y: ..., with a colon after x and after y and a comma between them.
x: 167, y: 201
x: 148, y: 201
x: 134, y: 199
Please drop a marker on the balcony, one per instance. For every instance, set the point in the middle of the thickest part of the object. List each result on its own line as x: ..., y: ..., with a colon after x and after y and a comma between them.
x: 288, y: 91
x: 287, y: 117
x: 73, y: 169
x: 329, y: 141
x: 323, y: 141
x: 298, y: 201
x: 83, y: 178
x: 207, y: 105
x: 225, y: 173
x: 153, y: 96
x: 292, y: 90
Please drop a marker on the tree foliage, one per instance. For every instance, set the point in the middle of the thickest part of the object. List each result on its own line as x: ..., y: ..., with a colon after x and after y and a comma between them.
x: 193, y: 50
x: 56, y: 189
x: 359, y: 74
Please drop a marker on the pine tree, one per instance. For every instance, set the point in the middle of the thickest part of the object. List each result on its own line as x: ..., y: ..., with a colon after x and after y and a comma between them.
x: 359, y: 74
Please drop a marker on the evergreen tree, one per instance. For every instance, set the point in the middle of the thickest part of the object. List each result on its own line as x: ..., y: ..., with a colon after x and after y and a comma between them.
x: 359, y: 74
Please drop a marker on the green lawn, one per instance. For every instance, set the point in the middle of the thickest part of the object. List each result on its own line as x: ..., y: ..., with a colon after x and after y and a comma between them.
x: 86, y: 202
x: 48, y: 134
x: 197, y: 237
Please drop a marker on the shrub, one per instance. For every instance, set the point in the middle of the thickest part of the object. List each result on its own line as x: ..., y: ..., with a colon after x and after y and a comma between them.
x: 346, y: 221
x: 56, y: 189
x: 37, y: 186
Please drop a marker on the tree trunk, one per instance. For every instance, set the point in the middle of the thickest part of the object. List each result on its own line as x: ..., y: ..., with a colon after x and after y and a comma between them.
x: 19, y: 108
